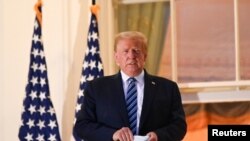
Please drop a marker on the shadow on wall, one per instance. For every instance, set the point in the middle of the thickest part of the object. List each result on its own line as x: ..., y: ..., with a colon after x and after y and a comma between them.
x: 74, y: 73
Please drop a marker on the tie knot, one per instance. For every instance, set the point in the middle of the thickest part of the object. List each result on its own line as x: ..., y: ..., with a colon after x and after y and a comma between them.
x: 131, y: 79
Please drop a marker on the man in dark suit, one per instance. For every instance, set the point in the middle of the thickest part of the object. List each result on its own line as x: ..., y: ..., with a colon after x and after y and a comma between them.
x: 158, y: 113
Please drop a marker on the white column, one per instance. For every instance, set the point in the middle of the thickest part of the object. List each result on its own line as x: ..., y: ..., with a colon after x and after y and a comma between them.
x: 107, y: 29
x: 1, y: 70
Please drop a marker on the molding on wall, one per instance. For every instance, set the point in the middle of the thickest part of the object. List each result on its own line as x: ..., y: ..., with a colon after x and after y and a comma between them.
x: 139, y: 1
x: 215, y: 97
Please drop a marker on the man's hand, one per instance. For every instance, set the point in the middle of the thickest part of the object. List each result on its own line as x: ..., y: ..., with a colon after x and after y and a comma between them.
x: 123, y: 134
x: 152, y: 136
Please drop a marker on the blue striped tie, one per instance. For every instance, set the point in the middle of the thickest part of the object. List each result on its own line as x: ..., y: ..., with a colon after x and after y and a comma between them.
x: 131, y: 101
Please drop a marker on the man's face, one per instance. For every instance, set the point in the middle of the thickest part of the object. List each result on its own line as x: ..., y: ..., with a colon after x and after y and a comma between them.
x: 130, y: 56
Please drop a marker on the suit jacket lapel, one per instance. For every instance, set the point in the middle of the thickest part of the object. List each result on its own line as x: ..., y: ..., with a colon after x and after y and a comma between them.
x: 119, y: 98
x: 149, y: 87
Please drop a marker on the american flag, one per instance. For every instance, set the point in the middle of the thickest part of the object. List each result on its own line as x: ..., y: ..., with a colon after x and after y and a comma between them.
x: 39, y: 121
x: 92, y: 65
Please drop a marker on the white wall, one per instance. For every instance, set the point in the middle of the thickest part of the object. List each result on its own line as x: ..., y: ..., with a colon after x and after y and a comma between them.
x: 65, y: 26
x: 1, y: 69
x: 15, y: 47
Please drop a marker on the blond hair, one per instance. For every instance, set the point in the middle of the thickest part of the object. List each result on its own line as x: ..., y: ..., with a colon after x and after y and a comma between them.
x: 132, y: 35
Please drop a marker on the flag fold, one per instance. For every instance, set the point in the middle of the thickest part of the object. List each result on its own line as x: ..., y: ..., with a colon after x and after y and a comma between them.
x: 39, y: 122
x: 92, y: 64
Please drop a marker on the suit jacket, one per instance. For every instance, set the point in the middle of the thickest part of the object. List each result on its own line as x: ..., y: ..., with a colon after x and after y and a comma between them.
x: 104, y: 109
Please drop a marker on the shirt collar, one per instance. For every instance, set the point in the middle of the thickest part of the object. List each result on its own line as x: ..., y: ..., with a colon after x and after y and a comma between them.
x: 139, y: 78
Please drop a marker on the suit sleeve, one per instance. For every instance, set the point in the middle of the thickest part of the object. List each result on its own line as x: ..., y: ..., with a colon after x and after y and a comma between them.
x: 176, y: 129
x: 87, y: 126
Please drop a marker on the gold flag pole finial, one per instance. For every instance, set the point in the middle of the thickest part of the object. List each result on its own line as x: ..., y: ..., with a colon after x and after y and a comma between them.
x: 38, y: 11
x: 94, y: 9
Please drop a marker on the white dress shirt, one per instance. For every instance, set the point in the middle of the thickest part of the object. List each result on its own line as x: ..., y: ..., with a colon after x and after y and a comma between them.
x: 140, y: 90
